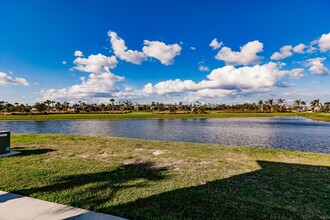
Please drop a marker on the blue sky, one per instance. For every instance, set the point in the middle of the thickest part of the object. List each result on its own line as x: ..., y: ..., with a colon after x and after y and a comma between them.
x: 160, y: 51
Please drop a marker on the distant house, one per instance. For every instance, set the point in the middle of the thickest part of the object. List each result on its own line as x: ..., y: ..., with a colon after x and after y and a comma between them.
x: 34, y: 110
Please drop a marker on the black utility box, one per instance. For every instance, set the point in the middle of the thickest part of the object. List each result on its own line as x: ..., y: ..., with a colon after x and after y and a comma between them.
x: 4, y: 142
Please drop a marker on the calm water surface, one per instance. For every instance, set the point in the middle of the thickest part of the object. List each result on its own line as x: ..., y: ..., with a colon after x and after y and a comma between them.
x: 291, y: 133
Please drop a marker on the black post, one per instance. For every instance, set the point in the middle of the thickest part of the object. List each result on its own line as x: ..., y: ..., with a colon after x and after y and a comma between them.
x: 4, y: 142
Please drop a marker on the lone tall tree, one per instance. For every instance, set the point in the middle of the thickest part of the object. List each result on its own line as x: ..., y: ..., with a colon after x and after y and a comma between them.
x: 48, y: 102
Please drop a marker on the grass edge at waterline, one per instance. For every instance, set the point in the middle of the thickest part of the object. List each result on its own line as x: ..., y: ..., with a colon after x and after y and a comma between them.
x: 150, y: 115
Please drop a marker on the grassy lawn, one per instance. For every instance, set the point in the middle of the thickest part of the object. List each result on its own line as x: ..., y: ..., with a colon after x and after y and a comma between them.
x: 317, y: 116
x: 141, y: 179
x: 139, y: 115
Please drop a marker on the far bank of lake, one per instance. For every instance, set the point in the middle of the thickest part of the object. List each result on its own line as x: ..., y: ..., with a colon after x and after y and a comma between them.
x: 152, y: 115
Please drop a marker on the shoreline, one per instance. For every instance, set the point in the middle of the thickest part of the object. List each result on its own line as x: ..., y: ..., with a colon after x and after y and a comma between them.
x: 144, y: 115
x: 147, y: 115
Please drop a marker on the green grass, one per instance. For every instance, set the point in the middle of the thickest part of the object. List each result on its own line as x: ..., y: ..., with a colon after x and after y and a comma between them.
x: 141, y: 179
x: 149, y: 115
x: 138, y: 115
x: 317, y: 116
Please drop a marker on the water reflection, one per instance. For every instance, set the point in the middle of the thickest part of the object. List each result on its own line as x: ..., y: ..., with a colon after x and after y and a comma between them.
x: 286, y: 133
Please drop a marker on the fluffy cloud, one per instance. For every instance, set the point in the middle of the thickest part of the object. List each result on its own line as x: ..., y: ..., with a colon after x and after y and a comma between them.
x: 6, y: 80
x: 162, y: 52
x: 121, y: 51
x: 99, y: 83
x: 317, y: 67
x: 203, y: 68
x: 96, y: 86
x: 170, y: 86
x: 226, y: 78
x: 324, y: 42
x: 209, y: 94
x: 78, y: 53
x: 258, y: 76
x: 247, y: 54
x: 285, y: 52
x: 300, y: 48
x: 165, y: 53
x: 297, y: 73
x: 215, y: 44
x: 95, y: 63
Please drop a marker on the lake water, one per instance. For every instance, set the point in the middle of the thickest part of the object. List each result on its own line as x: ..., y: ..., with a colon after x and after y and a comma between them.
x: 291, y: 133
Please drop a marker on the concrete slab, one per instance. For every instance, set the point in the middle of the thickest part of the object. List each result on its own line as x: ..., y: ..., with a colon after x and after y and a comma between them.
x: 11, y: 153
x: 17, y: 207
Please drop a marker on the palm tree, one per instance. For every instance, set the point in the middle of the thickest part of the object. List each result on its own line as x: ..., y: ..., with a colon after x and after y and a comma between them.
x: 53, y: 102
x: 2, y: 105
x: 281, y: 103
x: 316, y: 105
x: 261, y: 105
x: 270, y: 103
x: 297, y: 103
x: 75, y: 106
x: 58, y: 106
x: 112, y: 100
x: 40, y: 106
x: 303, y: 103
x: 48, y: 102
x: 83, y: 104
x: 102, y: 106
x: 66, y: 105
x: 128, y: 105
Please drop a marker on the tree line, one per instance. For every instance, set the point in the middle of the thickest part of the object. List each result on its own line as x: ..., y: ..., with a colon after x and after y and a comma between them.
x: 270, y: 105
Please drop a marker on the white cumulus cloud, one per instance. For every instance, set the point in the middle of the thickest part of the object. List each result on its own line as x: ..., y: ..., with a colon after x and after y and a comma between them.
x: 209, y: 94
x: 203, y: 68
x: 121, y: 51
x: 78, y: 53
x: 100, y: 82
x: 254, y: 78
x: 171, y: 86
x: 300, y: 48
x: 285, y: 51
x: 317, y: 67
x: 247, y: 54
x: 324, y: 42
x: 215, y: 44
x: 161, y: 51
x: 95, y: 63
x: 297, y: 73
x: 6, y: 80
x: 95, y: 86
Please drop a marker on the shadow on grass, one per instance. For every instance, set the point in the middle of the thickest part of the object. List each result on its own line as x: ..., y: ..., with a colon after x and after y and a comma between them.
x: 29, y: 152
x: 276, y: 191
x: 96, y: 189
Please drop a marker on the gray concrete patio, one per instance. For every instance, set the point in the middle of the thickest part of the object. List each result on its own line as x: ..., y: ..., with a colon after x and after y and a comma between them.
x: 17, y: 207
